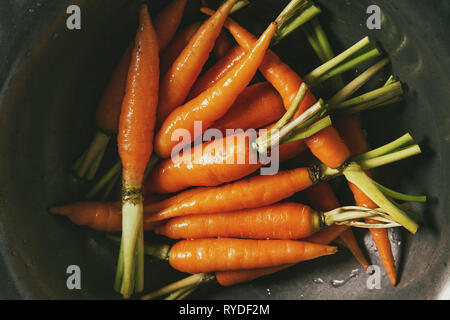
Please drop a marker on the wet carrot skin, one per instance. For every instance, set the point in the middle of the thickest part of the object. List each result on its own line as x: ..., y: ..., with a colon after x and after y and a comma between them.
x: 258, y: 105
x: 207, y: 164
x: 287, y: 221
x: 213, y: 103
x: 218, y: 71
x: 177, y: 45
x: 253, y: 192
x: 138, y: 114
x: 178, y: 81
x: 224, y: 254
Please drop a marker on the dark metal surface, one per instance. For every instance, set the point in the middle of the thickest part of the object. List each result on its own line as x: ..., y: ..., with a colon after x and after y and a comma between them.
x: 51, y: 79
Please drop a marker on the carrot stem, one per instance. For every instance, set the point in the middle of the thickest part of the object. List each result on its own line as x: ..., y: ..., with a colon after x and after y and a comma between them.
x: 345, y: 215
x: 401, y: 142
x: 96, y: 149
x: 400, y: 196
x: 357, y: 83
x: 188, y: 282
x: 379, y: 102
x: 187, y: 292
x: 329, y: 65
x: 304, y: 133
x: 180, y: 293
x: 104, y: 180
x: 348, y: 65
x: 287, y: 28
x: 156, y: 250
x: 239, y: 5
x: 355, y: 174
x: 390, y: 91
x: 266, y: 141
x: 391, y: 157
x: 110, y: 186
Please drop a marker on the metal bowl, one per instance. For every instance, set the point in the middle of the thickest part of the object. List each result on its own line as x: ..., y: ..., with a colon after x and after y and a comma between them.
x: 51, y: 80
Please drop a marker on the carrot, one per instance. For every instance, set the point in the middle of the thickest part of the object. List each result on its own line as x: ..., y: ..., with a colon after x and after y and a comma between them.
x: 258, y: 105
x: 350, y: 242
x: 322, y: 197
x: 108, y: 111
x: 224, y: 254
x: 242, y: 194
x: 326, y: 145
x: 167, y: 21
x: 178, y: 81
x: 176, y: 46
x: 215, y: 102
x: 207, y: 164
x: 136, y: 124
x: 259, y: 191
x: 286, y: 221
x: 100, y: 216
x: 352, y: 133
x: 223, y: 45
x: 217, y: 72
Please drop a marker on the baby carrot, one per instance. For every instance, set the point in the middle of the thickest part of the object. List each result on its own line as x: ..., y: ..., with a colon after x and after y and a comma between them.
x: 215, y: 102
x: 178, y: 81
x: 352, y: 133
x: 136, y: 124
x: 100, y: 216
x: 217, y: 71
x: 288, y: 221
x: 176, y: 46
x: 224, y: 254
x: 167, y: 21
x: 326, y: 145
x: 258, y: 105
x: 108, y: 111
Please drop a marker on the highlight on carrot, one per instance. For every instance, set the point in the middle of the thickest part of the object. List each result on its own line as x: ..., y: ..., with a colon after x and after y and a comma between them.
x: 136, y: 125
x: 289, y: 221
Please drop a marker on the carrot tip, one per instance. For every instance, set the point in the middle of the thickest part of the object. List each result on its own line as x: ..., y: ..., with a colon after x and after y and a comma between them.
x: 331, y: 250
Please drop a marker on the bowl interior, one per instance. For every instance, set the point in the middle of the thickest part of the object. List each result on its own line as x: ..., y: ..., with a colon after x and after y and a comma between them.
x: 52, y: 82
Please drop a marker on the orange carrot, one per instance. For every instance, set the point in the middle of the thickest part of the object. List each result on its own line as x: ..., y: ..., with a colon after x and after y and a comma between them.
x: 206, y: 255
x: 207, y: 164
x: 136, y: 124
x: 287, y: 82
x: 101, y: 216
x: 176, y: 46
x: 257, y: 106
x: 253, y: 192
x: 353, y: 135
x: 223, y: 45
x: 215, y: 102
x: 167, y: 21
x: 108, y: 111
x: 350, y: 242
x: 281, y: 221
x: 217, y: 72
x: 178, y: 81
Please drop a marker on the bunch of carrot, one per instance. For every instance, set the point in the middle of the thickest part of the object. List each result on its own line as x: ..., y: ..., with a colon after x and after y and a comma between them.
x: 232, y: 226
